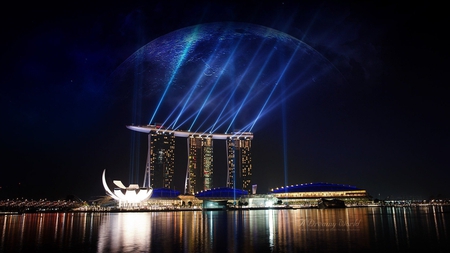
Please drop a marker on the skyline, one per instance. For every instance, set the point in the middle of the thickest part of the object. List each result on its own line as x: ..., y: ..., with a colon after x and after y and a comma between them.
x: 198, y: 159
x: 383, y: 130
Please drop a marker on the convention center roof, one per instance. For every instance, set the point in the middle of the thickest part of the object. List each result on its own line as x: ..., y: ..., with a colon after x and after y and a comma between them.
x: 221, y: 193
x: 315, y: 187
x: 164, y: 193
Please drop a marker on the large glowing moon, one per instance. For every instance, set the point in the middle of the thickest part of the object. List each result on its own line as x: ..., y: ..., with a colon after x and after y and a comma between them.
x: 221, y: 76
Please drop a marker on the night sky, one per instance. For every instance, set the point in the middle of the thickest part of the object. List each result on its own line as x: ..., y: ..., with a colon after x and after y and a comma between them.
x: 385, y: 129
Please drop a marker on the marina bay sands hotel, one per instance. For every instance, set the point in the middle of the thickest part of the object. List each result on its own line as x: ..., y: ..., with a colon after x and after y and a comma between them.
x: 160, y: 165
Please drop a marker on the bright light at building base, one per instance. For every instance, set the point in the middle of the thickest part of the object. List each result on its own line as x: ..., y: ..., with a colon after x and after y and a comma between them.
x: 131, y: 196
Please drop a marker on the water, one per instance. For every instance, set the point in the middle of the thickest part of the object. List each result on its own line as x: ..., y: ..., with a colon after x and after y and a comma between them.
x: 371, y: 229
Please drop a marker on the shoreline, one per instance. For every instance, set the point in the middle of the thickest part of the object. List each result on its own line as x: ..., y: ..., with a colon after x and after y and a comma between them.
x: 19, y: 212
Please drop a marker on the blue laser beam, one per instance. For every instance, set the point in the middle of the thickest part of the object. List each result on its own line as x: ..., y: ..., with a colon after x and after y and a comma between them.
x: 275, y: 86
x: 237, y: 86
x: 229, y: 59
x: 231, y: 106
x: 252, y: 86
x: 239, y: 82
x: 179, y: 62
x: 198, y: 80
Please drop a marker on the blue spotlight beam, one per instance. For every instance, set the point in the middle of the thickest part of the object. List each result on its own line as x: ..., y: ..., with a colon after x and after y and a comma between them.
x: 285, y: 140
x: 180, y: 61
x: 285, y: 95
x: 191, y: 102
x: 275, y: 86
x: 288, y: 92
x: 208, y: 98
x: 267, y: 106
x: 136, y: 115
x: 239, y: 82
x: 196, y: 84
x: 185, y: 105
x: 172, y: 113
x: 218, y: 106
x: 203, y: 104
x: 215, y: 83
x: 251, y: 87
x: 195, y: 113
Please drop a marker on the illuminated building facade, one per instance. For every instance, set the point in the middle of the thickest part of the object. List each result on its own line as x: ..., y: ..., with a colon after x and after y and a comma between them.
x: 160, y: 165
x: 239, y: 162
x: 131, y: 196
x: 199, y: 176
x: 298, y: 193
x: 200, y: 164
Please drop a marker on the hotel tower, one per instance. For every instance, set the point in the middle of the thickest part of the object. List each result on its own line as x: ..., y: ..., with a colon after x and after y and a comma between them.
x: 160, y: 166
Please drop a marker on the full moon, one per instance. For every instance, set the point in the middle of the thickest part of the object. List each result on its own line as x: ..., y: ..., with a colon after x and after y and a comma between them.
x: 221, y: 76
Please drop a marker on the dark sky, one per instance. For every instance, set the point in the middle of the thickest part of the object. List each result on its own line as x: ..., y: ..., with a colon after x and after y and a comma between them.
x: 385, y: 130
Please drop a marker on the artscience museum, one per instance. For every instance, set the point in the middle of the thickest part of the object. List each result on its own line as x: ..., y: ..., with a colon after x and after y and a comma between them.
x: 128, y: 197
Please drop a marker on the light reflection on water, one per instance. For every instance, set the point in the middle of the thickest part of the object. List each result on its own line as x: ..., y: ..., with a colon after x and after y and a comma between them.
x: 312, y: 230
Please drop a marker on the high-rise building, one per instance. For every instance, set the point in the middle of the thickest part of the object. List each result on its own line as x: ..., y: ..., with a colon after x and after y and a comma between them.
x: 199, y: 175
x: 200, y: 164
x: 240, y: 162
x: 160, y: 165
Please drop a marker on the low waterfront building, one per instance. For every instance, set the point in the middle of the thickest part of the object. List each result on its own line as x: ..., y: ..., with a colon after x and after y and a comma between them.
x: 132, y: 196
x: 309, y: 193
x: 221, y: 193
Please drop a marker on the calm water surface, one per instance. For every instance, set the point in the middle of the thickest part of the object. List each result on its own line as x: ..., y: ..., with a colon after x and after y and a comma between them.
x: 408, y: 229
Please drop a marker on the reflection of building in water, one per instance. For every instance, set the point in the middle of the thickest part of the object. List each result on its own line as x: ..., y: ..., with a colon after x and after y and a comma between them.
x: 307, y: 229
x: 199, y: 176
x: 131, y: 228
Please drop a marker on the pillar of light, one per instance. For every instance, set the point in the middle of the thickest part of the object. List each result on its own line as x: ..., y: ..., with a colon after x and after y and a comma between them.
x: 194, y: 87
x: 180, y: 61
x: 251, y: 88
x: 217, y: 107
x: 239, y: 82
x: 285, y: 140
x: 276, y: 84
x: 172, y: 125
x: 282, y: 97
x: 136, y: 116
x: 217, y: 80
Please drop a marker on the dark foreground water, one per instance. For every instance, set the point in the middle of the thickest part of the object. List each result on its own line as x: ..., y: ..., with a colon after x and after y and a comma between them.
x: 371, y: 229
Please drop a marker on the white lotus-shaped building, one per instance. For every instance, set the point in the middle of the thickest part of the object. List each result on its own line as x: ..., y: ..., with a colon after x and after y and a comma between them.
x: 130, y: 196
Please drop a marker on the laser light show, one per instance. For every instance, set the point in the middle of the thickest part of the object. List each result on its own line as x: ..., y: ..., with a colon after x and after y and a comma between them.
x: 221, y: 77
